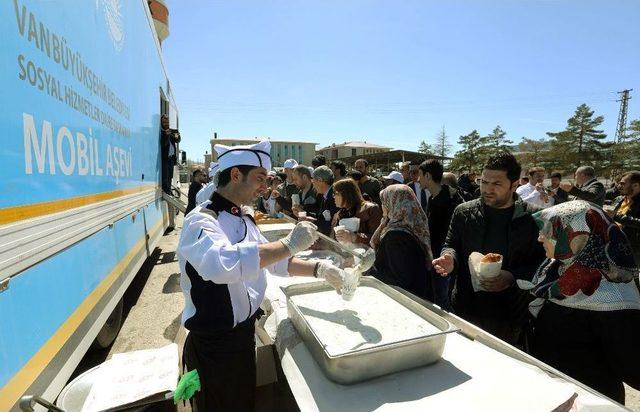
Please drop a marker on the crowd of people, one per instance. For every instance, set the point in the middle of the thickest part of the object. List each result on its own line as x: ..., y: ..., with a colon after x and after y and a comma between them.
x: 568, y: 290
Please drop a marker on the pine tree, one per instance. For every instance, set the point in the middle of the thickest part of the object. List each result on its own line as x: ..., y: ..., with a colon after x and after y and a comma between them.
x: 497, y: 140
x: 425, y: 148
x: 631, y: 146
x: 581, y: 142
x: 468, y: 158
x: 533, y: 152
x: 494, y: 143
x: 442, y: 146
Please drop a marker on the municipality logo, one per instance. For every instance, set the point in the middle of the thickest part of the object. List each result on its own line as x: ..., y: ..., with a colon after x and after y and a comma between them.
x: 113, y: 17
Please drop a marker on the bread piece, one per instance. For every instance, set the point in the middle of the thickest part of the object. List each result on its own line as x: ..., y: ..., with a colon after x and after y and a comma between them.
x: 491, y: 257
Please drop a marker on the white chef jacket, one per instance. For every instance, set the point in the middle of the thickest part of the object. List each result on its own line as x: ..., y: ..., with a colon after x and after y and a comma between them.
x: 221, y: 278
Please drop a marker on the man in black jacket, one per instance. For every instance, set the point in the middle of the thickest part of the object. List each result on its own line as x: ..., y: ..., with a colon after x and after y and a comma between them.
x: 559, y: 195
x: 169, y: 138
x: 587, y: 186
x: 198, y: 179
x: 306, y: 193
x: 322, y: 179
x: 499, y: 222
x: 626, y: 210
x: 442, y: 202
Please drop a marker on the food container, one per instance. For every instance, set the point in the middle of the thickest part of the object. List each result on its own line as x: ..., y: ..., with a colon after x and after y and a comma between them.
x: 391, y: 353
x: 482, y: 270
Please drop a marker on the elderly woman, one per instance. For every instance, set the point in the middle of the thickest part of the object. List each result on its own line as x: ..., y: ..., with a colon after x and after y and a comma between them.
x: 402, y: 243
x: 587, y: 307
x: 350, y: 203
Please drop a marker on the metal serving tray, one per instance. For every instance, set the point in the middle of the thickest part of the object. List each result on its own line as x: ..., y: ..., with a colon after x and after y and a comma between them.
x: 362, y: 364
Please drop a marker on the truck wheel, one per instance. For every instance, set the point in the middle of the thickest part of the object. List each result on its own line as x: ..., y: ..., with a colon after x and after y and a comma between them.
x: 110, y: 329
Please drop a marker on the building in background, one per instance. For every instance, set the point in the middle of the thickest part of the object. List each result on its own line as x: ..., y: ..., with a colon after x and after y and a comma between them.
x: 281, y: 150
x: 350, y: 149
x: 207, y: 159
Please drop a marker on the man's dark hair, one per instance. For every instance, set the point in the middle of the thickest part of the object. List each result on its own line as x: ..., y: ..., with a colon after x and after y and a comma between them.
x: 224, y: 177
x: 355, y: 175
x: 366, y: 164
x: 434, y: 168
x: 282, y: 176
x: 506, y: 162
x: 302, y: 170
x: 196, y: 172
x: 556, y: 174
x: 318, y: 160
x: 341, y: 166
x: 633, y: 176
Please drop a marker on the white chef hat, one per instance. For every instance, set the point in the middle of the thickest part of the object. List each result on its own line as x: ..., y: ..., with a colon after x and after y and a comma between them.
x: 213, y: 168
x: 249, y: 155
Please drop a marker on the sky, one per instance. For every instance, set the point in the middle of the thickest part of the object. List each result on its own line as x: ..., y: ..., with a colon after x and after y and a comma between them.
x: 395, y: 72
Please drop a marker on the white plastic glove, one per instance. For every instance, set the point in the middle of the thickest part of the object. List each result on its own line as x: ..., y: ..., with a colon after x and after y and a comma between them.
x: 332, y: 274
x: 301, y: 237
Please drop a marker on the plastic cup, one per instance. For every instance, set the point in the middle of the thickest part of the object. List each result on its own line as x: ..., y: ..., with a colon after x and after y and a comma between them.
x: 350, y: 284
x: 295, y: 199
x: 352, y: 224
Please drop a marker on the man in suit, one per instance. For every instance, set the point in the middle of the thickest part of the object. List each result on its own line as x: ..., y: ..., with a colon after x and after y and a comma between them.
x: 422, y: 194
x: 169, y: 138
x: 586, y: 188
x: 322, y: 179
x: 559, y: 195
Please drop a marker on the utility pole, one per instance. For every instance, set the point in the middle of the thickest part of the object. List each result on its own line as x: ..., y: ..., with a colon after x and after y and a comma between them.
x: 618, y: 149
x: 622, y: 116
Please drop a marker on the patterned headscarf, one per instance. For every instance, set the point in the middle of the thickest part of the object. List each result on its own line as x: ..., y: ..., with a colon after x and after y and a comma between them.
x: 589, y: 246
x: 405, y: 214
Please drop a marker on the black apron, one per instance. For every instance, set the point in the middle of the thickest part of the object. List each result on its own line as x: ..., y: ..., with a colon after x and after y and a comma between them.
x: 226, y: 364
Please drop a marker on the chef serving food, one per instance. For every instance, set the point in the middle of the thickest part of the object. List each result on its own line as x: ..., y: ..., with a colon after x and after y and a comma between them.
x: 224, y: 260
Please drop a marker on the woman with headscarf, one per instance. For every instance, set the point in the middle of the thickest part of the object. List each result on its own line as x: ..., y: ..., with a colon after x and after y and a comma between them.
x: 587, y: 307
x: 402, y: 242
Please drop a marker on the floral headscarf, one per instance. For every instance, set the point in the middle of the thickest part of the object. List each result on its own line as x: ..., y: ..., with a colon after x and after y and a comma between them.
x: 405, y: 214
x: 589, y: 246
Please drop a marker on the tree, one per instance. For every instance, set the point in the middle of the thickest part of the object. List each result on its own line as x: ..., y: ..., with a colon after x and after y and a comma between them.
x: 425, y: 148
x: 630, y: 147
x: 494, y: 143
x: 581, y: 142
x: 468, y: 158
x: 533, y: 152
x: 497, y: 140
x: 634, y: 130
x: 442, y: 146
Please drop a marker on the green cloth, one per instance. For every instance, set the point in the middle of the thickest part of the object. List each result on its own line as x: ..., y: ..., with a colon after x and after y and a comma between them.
x: 189, y: 384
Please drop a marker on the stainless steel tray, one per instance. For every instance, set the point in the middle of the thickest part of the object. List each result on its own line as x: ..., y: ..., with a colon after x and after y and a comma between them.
x: 362, y: 364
